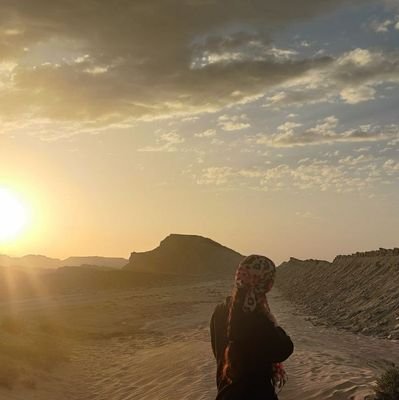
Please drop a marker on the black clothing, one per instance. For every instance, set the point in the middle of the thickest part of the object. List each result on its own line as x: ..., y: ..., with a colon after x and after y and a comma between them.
x: 257, y: 343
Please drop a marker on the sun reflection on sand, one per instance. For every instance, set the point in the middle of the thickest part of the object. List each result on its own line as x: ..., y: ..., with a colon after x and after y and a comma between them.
x: 24, y: 288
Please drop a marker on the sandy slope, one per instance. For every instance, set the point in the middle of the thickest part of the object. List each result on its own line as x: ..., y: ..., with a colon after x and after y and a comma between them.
x: 153, y: 343
x: 359, y: 292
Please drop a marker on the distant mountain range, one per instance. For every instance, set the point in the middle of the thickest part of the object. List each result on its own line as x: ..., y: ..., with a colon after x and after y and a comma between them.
x: 186, y: 255
x: 177, y: 260
x: 177, y: 254
x: 39, y: 261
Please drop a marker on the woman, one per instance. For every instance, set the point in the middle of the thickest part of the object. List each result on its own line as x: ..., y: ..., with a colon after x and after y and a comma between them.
x: 247, y: 342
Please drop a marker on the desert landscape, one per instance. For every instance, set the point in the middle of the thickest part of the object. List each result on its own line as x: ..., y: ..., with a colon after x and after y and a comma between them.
x: 149, y: 338
x: 147, y: 147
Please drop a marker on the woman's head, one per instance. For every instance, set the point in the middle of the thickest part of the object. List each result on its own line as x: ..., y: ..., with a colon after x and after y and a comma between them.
x: 255, y: 275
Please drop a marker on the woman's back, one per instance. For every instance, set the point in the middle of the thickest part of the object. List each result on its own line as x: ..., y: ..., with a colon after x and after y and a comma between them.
x: 246, y: 340
x: 256, y: 344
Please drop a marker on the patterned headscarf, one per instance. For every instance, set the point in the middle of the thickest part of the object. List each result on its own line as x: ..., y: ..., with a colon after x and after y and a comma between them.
x: 257, y: 274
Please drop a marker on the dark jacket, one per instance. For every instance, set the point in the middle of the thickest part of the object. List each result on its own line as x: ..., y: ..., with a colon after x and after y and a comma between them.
x: 258, y: 343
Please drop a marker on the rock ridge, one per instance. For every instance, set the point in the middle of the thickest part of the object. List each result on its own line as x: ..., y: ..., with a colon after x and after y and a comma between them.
x: 357, y: 292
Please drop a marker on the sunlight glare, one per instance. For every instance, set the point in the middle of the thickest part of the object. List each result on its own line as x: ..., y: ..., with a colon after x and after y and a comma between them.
x: 13, y: 215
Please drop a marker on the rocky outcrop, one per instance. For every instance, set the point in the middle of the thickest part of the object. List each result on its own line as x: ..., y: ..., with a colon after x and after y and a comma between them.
x: 187, y: 255
x: 373, y: 253
x: 357, y: 292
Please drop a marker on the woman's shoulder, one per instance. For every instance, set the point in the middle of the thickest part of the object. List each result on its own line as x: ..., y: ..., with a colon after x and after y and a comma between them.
x: 220, y: 314
x: 223, y: 306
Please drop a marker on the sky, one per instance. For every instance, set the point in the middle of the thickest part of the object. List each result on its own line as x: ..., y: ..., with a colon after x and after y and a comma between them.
x: 271, y: 127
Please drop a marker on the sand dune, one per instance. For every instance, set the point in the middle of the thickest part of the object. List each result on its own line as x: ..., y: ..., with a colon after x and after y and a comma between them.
x: 153, y: 343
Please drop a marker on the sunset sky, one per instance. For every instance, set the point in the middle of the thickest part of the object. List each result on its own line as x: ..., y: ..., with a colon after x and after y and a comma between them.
x: 269, y: 126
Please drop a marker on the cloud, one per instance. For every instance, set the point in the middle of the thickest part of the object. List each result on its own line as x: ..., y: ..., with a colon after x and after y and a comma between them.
x: 354, y: 161
x: 215, y: 175
x: 362, y: 149
x: 293, y: 134
x: 217, y: 50
x: 391, y: 167
x: 281, y: 177
x: 381, y: 26
x: 216, y: 141
x: 357, y: 95
x: 115, y: 60
x: 352, y: 78
x: 305, y: 43
x: 233, y: 122
x: 350, y: 174
x: 298, y: 97
x: 207, y: 133
x: 166, y: 142
x: 49, y: 130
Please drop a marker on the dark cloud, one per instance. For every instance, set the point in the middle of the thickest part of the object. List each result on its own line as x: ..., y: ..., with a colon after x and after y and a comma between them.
x: 140, y: 54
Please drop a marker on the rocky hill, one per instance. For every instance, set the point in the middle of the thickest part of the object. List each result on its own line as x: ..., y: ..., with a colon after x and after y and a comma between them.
x: 357, y: 292
x: 187, y: 255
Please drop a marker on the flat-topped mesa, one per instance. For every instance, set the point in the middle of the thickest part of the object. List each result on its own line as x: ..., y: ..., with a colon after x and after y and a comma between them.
x: 373, y: 253
x: 187, y: 255
x: 113, y: 262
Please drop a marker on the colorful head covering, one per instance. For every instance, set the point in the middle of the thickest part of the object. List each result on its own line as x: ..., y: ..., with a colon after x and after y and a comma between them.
x: 255, y: 273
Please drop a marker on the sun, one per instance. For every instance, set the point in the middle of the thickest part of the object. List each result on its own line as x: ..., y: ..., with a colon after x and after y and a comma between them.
x: 13, y: 215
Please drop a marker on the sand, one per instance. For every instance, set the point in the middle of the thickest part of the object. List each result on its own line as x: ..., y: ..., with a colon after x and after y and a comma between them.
x: 153, y: 343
